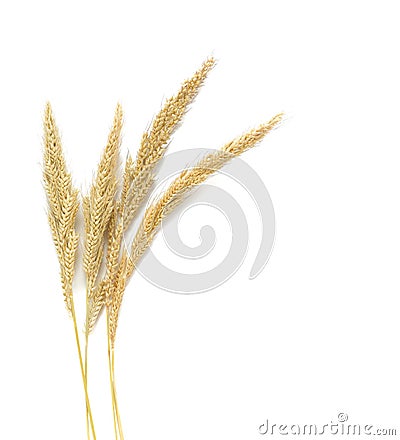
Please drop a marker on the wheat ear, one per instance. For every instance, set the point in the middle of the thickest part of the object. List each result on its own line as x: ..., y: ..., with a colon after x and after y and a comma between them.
x: 175, y: 193
x: 98, y: 207
x: 138, y: 178
x: 63, y: 205
x: 99, y: 204
x: 139, y: 174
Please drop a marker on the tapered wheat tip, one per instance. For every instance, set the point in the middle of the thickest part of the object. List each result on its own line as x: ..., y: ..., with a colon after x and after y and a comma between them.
x: 99, y: 203
x: 138, y: 175
x: 63, y: 203
x: 207, y: 166
x: 168, y: 119
x: 175, y: 193
x: 251, y: 138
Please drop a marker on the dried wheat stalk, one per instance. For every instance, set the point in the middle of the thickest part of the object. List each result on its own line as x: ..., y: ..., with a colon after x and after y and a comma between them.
x: 138, y: 178
x: 63, y: 204
x: 158, y: 210
x: 139, y: 174
x: 98, y: 208
x: 99, y: 204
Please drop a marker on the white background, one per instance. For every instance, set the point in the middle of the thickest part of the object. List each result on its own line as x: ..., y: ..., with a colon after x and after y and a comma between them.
x: 318, y: 331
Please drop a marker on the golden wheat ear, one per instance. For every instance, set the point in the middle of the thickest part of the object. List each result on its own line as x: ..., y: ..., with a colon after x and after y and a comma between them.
x: 175, y: 194
x: 63, y: 203
x: 138, y: 177
x: 99, y: 203
x: 139, y: 174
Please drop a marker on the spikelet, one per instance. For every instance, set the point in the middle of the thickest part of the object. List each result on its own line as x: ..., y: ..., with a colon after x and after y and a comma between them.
x: 103, y: 291
x: 114, y: 307
x: 113, y: 251
x: 126, y: 184
x: 63, y: 203
x: 175, y: 193
x: 95, y: 306
x: 99, y: 204
x: 139, y: 189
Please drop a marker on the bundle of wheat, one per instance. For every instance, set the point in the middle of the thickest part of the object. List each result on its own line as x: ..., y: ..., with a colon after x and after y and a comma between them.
x: 111, y: 206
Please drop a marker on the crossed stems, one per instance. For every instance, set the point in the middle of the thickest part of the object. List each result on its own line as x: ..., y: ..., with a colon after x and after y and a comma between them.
x: 118, y: 432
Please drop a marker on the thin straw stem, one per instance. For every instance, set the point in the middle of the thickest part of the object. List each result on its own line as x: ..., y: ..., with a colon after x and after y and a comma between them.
x: 78, y: 345
x: 116, y: 416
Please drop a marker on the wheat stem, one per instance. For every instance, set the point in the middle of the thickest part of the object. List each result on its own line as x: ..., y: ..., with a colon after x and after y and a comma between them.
x: 116, y: 415
x: 86, y: 361
x: 78, y: 345
x: 111, y: 378
x: 115, y: 394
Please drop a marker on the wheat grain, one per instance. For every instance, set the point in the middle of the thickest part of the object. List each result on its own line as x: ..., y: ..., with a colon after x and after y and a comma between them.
x: 114, y: 307
x: 95, y: 305
x: 139, y: 188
